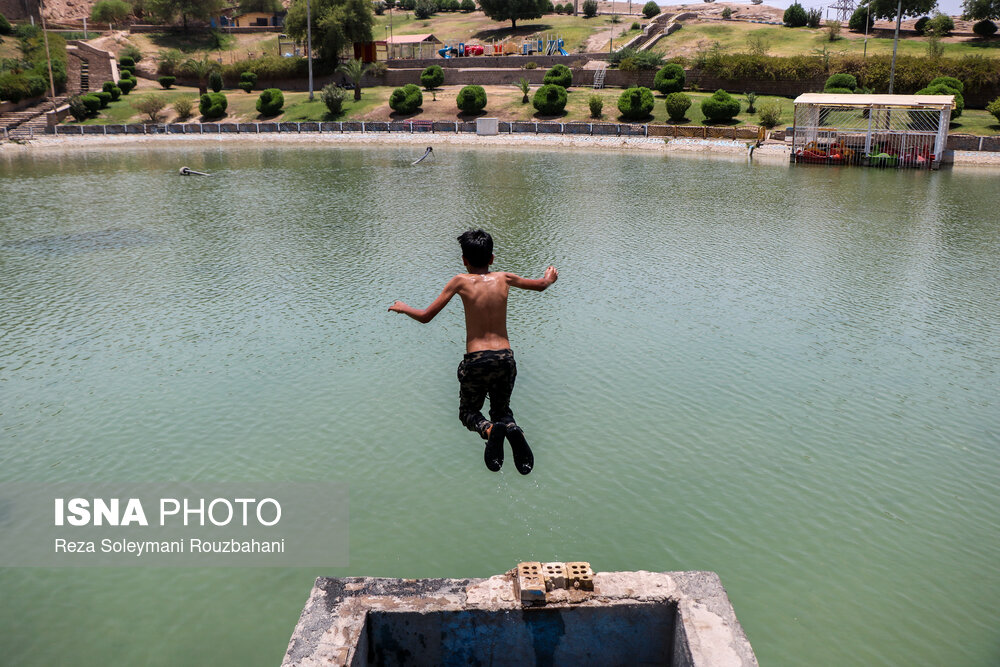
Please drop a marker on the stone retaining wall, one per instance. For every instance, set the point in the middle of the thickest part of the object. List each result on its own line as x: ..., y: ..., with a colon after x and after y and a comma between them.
x: 494, y: 62
x: 408, y: 127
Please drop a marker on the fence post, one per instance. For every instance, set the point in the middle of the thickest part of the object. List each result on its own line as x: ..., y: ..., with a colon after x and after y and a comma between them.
x: 362, y: 127
x: 647, y: 130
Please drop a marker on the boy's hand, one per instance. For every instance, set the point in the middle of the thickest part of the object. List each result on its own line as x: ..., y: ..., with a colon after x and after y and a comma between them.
x: 551, y: 274
x: 398, y: 307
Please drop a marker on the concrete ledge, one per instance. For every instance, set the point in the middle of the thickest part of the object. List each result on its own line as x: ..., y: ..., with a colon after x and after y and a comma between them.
x: 678, y: 619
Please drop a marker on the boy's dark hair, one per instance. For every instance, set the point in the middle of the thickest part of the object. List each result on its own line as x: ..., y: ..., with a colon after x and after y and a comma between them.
x: 477, y: 248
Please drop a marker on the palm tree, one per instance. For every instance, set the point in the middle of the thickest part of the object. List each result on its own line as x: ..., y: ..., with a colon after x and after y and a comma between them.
x: 354, y: 69
x: 201, y: 69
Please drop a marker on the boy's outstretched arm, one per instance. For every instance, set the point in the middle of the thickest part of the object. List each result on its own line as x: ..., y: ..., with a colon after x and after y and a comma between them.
x: 539, y: 284
x: 425, y: 316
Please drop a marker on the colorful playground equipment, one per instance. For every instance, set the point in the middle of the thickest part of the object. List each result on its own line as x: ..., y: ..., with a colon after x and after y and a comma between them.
x: 463, y: 50
x: 548, y: 45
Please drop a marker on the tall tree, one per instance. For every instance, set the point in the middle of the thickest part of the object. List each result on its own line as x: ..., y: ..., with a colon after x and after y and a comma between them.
x: 336, y: 24
x: 260, y: 6
x: 886, y: 9
x: 512, y: 10
x: 196, y: 10
x: 978, y: 10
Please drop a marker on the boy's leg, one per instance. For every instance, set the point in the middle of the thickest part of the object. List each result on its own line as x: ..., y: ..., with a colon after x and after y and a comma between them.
x: 501, y: 387
x: 473, y: 387
x: 471, y: 396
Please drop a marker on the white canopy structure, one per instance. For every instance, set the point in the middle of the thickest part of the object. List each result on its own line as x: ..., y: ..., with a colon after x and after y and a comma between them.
x: 874, y: 130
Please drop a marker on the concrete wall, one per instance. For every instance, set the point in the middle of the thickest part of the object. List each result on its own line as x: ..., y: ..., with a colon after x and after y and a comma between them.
x: 618, y: 634
x: 23, y: 104
x: 680, y: 619
x: 969, y: 142
x: 102, y: 66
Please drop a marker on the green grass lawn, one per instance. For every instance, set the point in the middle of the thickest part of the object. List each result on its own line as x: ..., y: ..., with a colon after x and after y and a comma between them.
x: 504, y: 103
x: 781, y: 41
x: 454, y: 27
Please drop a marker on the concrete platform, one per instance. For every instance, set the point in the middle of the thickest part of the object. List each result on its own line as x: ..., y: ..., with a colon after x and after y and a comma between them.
x: 677, y: 619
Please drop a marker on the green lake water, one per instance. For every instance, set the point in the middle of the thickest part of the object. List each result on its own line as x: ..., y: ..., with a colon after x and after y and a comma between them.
x: 785, y: 375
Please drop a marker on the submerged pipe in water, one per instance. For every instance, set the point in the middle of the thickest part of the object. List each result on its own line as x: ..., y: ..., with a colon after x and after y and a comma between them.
x: 429, y: 151
x: 186, y: 171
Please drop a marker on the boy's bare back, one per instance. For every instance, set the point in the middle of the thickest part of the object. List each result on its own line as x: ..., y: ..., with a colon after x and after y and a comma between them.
x: 484, y: 295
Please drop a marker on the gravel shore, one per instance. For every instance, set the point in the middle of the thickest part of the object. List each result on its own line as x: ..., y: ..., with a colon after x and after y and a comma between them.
x: 713, y: 147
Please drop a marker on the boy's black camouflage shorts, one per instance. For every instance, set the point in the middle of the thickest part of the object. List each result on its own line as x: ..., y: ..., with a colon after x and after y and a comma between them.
x: 487, y: 372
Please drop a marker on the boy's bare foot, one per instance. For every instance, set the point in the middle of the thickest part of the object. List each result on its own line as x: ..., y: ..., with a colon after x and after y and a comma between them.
x: 493, y: 455
x: 524, y: 460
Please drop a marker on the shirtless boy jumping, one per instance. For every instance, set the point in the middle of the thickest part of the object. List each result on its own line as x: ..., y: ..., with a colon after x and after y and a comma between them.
x: 488, y: 366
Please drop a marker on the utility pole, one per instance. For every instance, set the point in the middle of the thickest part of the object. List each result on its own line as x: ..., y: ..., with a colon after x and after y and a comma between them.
x: 48, y: 54
x: 309, y: 47
x: 895, y: 43
x: 868, y: 22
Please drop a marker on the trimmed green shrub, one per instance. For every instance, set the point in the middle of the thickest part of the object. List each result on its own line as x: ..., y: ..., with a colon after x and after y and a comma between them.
x: 941, y: 89
x: 92, y: 102
x: 670, y: 79
x: 635, y: 26
x: 559, y: 75
x: 471, y: 99
x: 720, y: 106
x: 104, y: 97
x: 167, y: 81
x: 407, y: 99
x: 249, y: 77
x: 245, y: 86
x: 859, y: 18
x: 994, y: 108
x: 468, y: 6
x: 213, y: 105
x: 985, y: 28
x: 107, y: 86
x: 270, y: 102
x: 677, y: 106
x: 77, y: 108
x: 5, y: 28
x: 596, y: 104
x: 921, y: 24
x: 727, y: 13
x: 795, y: 16
x: 130, y: 70
x: 651, y: 9
x: 432, y: 77
x: 116, y: 93
x: 589, y: 8
x: 841, y: 81
x: 835, y: 90
x: 126, y: 61
x: 549, y: 100
x: 636, y: 103
x: 333, y: 97
x: 126, y: 85
x: 557, y: 8
x: 531, y: 64
x: 769, y: 114
x: 215, y: 81
x: 949, y: 81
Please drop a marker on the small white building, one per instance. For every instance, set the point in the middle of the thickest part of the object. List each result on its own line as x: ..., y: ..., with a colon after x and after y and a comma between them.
x: 871, y: 130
